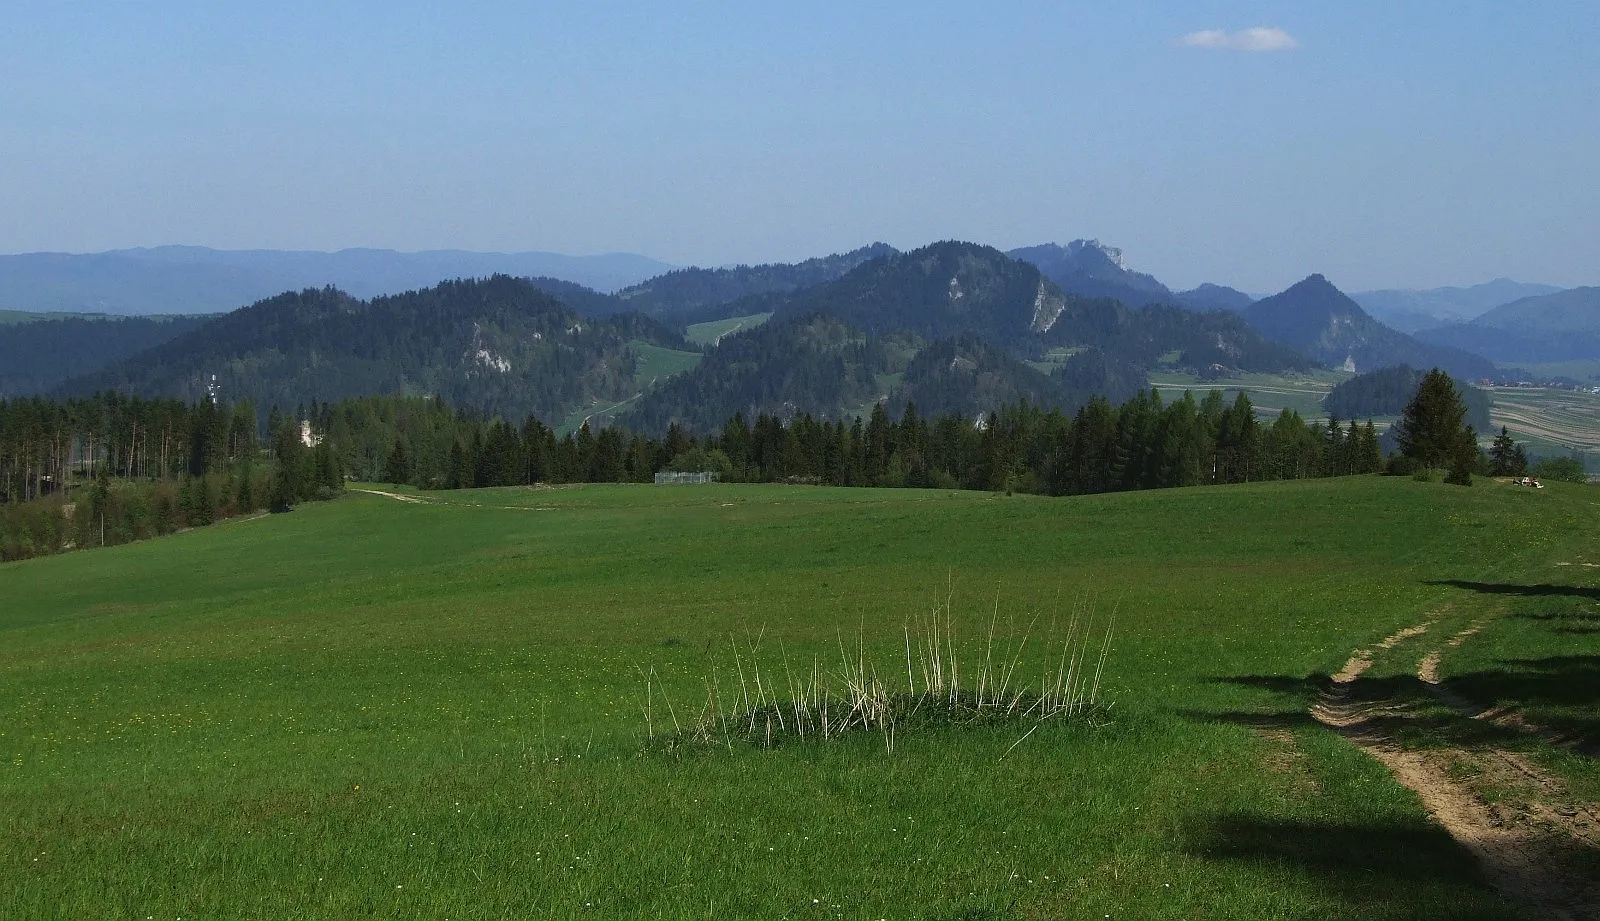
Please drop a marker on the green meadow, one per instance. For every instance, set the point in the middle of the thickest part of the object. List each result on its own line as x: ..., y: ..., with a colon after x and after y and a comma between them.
x: 464, y: 707
x: 709, y: 332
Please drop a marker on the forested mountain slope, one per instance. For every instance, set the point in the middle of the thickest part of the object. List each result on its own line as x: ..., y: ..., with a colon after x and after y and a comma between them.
x: 968, y: 377
x: 818, y: 365
x: 499, y: 345
x: 953, y: 288
x: 692, y: 291
x: 813, y: 363
x: 37, y: 356
x: 1214, y: 297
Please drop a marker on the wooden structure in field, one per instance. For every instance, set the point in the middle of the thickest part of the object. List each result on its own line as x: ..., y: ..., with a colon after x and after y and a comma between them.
x: 679, y: 478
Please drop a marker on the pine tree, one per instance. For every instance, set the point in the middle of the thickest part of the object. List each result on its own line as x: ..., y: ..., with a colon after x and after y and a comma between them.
x: 1506, y: 457
x: 1430, y: 431
x: 1464, y: 459
x: 398, y: 468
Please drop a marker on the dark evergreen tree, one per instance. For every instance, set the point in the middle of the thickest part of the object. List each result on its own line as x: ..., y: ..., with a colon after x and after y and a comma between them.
x: 1464, y: 459
x: 1430, y: 430
x: 397, y: 469
x: 1506, y: 457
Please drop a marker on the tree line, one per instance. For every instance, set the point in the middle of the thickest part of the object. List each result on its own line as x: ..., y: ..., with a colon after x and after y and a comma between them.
x: 111, y: 469
x: 1144, y: 443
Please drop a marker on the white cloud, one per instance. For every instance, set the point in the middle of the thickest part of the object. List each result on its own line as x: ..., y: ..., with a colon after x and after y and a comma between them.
x: 1260, y: 38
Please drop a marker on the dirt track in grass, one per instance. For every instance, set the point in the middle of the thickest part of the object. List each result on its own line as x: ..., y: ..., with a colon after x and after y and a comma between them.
x: 1531, y: 850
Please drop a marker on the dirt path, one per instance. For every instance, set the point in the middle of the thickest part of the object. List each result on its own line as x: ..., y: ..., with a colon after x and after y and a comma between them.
x: 1524, y: 849
x: 423, y: 500
x: 418, y: 500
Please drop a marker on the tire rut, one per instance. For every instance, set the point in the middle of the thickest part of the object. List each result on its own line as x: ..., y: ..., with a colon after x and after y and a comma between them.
x: 1523, y: 852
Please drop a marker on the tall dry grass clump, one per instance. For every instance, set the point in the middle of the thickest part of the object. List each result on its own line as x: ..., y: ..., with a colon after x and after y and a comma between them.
x: 1006, y: 677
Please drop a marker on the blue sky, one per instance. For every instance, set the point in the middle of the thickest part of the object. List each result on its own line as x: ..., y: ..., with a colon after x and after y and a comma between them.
x: 1380, y: 143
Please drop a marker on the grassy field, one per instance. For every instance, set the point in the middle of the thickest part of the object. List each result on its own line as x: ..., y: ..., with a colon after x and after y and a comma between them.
x: 1553, y: 421
x: 708, y: 333
x: 656, y: 364
x: 596, y: 414
x: 370, y: 708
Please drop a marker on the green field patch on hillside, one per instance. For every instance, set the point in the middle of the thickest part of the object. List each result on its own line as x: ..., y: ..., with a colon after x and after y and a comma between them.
x: 597, y: 414
x: 708, y: 333
x: 443, y: 708
x: 1054, y: 358
x: 656, y: 363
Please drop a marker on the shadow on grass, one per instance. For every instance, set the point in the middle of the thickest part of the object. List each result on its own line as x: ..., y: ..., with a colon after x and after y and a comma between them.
x: 1400, y: 707
x: 1563, y: 691
x: 1385, y: 871
x: 1542, y: 590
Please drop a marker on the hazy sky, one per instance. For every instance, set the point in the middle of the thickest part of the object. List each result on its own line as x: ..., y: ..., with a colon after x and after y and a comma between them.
x: 1249, y: 142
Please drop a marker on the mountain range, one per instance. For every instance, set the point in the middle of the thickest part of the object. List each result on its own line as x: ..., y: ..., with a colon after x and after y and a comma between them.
x: 1560, y: 326
x: 952, y: 327
x: 1410, y: 311
x: 498, y: 345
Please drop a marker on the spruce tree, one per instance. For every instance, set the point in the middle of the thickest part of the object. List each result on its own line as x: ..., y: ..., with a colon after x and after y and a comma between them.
x: 398, y: 469
x: 1430, y: 431
x: 1506, y: 457
x: 1464, y: 459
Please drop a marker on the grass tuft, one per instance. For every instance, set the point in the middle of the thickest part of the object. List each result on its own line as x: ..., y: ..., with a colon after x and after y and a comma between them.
x: 946, y: 683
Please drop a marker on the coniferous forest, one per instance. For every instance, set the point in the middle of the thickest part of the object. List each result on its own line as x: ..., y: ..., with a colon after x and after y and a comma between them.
x: 110, y: 469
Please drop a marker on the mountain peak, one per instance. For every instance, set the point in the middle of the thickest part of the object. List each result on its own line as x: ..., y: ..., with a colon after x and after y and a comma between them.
x: 1210, y: 296
x: 1093, y: 269
x: 1317, y: 318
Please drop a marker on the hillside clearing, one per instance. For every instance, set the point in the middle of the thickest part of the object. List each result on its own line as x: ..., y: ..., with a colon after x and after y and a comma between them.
x: 439, y: 709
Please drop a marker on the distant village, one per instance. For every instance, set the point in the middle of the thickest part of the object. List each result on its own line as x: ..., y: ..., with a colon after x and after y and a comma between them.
x: 1553, y: 383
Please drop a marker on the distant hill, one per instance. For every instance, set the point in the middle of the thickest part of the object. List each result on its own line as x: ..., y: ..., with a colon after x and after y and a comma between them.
x: 939, y: 291
x: 819, y: 365
x: 946, y: 327
x: 953, y: 288
x: 694, y: 292
x: 1318, y: 319
x: 1214, y: 297
x: 1386, y: 392
x: 192, y: 279
x: 38, y: 355
x: 1410, y: 311
x: 1576, y: 310
x: 1563, y: 326
x: 812, y: 363
x: 499, y: 346
x: 1091, y: 269
x: 968, y: 377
